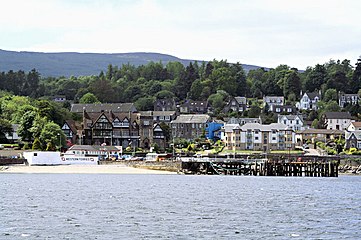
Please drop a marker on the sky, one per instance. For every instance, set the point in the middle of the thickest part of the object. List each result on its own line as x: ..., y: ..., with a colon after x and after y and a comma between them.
x: 266, y: 33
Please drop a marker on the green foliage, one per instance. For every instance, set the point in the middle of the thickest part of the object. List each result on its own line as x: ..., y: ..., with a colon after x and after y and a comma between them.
x: 88, y: 98
x: 26, y: 123
x: 52, y: 135
x: 217, y: 101
x: 156, y: 147
x: 330, y: 95
x: 37, y: 145
x: 144, y: 103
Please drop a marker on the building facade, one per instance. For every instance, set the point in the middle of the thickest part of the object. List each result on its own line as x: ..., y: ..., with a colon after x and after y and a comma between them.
x: 236, y: 104
x: 190, y: 126
x: 345, y: 99
x: 255, y: 136
x: 165, y: 105
x: 309, y: 101
x: 337, y: 120
x: 295, y: 122
x: 272, y: 101
x: 194, y: 107
x: 353, y: 135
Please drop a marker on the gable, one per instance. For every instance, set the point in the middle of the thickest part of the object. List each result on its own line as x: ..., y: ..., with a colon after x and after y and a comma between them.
x: 65, y: 126
x: 103, y: 119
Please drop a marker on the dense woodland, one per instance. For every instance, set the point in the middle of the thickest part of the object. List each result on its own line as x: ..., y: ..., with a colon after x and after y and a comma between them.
x: 214, y: 81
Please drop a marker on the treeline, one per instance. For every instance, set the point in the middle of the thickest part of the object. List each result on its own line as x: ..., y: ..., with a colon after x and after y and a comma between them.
x: 213, y: 81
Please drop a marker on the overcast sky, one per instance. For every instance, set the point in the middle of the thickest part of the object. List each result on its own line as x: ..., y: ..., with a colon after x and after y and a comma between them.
x: 259, y: 32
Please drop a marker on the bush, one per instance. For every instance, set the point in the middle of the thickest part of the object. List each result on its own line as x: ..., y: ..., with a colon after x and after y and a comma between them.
x: 352, y: 150
x: 357, y: 152
x: 331, y: 151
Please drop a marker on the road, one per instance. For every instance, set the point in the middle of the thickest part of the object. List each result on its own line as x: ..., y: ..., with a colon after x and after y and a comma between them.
x: 312, y: 152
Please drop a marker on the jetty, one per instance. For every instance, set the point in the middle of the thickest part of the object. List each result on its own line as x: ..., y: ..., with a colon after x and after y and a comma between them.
x: 289, y: 167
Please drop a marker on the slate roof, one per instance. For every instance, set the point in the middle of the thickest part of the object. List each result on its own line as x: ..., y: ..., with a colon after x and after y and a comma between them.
x: 74, y: 126
x: 265, y: 127
x: 93, y: 117
x: 338, y: 115
x: 290, y: 117
x: 312, y: 95
x: 106, y: 107
x: 241, y: 100
x: 322, y: 131
x: 157, y: 113
x: 192, y: 118
x: 92, y: 148
x: 230, y: 127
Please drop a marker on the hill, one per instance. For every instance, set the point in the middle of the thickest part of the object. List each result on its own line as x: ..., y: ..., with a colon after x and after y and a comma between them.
x: 81, y: 64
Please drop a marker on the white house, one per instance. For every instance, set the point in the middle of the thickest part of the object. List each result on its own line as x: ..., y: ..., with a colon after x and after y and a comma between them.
x: 337, y: 120
x: 272, y: 101
x: 309, y: 101
x: 295, y: 122
x: 255, y: 136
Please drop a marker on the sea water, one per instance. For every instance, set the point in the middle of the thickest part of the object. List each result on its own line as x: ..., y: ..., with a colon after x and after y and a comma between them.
x: 105, y: 206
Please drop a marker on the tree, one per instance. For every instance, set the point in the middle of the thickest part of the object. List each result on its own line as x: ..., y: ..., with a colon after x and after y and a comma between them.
x: 102, y: 89
x: 5, y: 128
x: 217, y: 101
x: 145, y: 104
x: 36, y: 144
x: 330, y: 94
x: 52, y: 136
x: 196, y: 90
x: 25, y: 125
x: 224, y: 79
x: 38, y: 125
x: 254, y: 111
x: 185, y: 81
x: 164, y: 94
x: 332, y: 106
x: 292, y: 84
x: 355, y: 81
x: 316, y: 77
x: 88, y: 98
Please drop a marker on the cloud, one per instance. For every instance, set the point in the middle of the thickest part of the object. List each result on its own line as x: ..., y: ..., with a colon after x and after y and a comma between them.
x: 260, y: 32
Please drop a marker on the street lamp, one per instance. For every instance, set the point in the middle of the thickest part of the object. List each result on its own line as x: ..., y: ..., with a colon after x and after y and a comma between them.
x: 59, y: 141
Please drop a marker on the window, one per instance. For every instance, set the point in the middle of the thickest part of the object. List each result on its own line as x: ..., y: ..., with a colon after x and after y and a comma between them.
x: 255, y: 138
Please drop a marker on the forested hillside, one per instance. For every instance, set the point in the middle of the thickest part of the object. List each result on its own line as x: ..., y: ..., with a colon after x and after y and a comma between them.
x: 25, y: 97
x: 81, y: 64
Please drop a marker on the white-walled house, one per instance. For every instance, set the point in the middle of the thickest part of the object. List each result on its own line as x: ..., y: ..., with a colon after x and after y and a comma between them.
x: 272, y: 101
x: 309, y: 101
x: 295, y: 122
x: 337, y: 120
x: 255, y: 136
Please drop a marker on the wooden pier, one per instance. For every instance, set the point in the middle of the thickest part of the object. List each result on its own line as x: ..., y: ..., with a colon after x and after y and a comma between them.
x: 262, y: 167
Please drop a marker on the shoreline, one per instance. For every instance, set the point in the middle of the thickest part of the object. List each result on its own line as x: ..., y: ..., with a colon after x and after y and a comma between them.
x: 80, y: 169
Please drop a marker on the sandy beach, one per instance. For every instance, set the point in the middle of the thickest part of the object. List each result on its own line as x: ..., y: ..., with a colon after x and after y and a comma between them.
x: 86, y: 169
